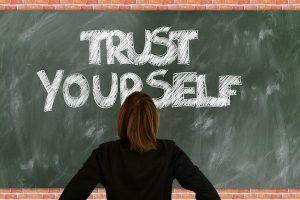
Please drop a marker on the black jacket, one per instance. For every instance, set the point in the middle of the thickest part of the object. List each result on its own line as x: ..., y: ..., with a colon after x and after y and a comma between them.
x: 126, y: 175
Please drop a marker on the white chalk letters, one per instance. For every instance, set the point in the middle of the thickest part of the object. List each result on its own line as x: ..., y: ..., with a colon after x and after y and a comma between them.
x: 124, y: 53
x: 173, y: 95
x: 126, y: 44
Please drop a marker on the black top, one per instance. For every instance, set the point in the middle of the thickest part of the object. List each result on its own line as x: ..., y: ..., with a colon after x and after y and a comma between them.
x: 125, y: 174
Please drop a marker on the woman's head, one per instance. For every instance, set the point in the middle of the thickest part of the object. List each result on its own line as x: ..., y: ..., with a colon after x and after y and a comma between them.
x: 138, y: 121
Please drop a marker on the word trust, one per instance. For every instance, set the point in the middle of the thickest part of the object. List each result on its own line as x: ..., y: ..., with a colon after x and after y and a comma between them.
x: 174, y: 94
x: 126, y: 44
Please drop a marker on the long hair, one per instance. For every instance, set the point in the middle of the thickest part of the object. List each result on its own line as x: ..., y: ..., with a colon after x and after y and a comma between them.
x: 138, y: 121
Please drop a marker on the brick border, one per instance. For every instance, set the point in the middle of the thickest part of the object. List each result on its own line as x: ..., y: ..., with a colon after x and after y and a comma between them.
x: 149, y: 4
x: 177, y: 193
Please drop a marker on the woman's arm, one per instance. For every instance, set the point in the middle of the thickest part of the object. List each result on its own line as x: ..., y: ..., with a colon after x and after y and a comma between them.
x: 85, y: 180
x: 190, y: 177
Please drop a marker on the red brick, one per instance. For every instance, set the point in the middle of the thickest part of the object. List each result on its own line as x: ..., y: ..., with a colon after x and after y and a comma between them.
x: 200, y: 7
x: 282, y: 1
x: 8, y: 7
x: 150, y: 7
x: 178, y: 193
x: 275, y: 196
x: 28, y: 1
x: 294, y: 1
x: 250, y: 7
x: 35, y: 196
x: 23, y: 196
x: 218, y: 1
x: 30, y: 7
x: 243, y: 190
x: 142, y: 1
x: 288, y: 196
x: 98, y: 7
x: 79, y: 1
x: 230, y: 190
x: 188, y: 196
x: 57, y: 196
x: 59, y: 7
x: 180, y: 190
x: 99, y: 196
x: 167, y: 1
x: 269, y: 7
x: 220, y: 190
x: 255, y: 190
x: 263, y: 196
x: 238, y: 196
x: 226, y: 196
x: 136, y: 7
x: 42, y: 1
x: 199, y: 1
x: 54, y: 1
x: 10, y: 196
x: 129, y: 1
x: 176, y: 196
x: 5, y: 1
x: 72, y: 7
x: 15, y: 1
x: 15, y: 190
x: 180, y: 1
x: 111, y: 7
x: 92, y: 1
x: 96, y: 190
x: 104, y: 1
x: 250, y: 196
x: 237, y: 1
x: 55, y: 190
x: 181, y: 7
x: 263, y: 1
x: 155, y: 1
x: 49, y: 196
x: 117, y: 1
x: 281, y: 190
x: 86, y: 7
x: 224, y: 7
x: 124, y: 7
x: 66, y: 1
x: 294, y: 190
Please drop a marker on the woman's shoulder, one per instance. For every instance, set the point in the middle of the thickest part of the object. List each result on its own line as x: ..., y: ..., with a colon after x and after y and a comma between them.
x: 104, y: 145
x: 167, y: 143
x: 170, y: 145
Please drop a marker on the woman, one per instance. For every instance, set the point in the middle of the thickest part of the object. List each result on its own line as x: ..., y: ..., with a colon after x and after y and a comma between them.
x: 138, y: 166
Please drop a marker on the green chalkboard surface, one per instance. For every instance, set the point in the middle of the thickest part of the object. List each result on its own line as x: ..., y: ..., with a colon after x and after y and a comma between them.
x: 253, y: 142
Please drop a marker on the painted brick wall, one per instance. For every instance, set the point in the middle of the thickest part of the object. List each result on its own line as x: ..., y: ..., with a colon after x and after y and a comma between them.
x: 177, y: 193
x: 54, y: 193
x: 149, y: 4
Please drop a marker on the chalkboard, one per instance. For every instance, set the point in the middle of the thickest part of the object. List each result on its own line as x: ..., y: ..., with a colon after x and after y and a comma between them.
x: 251, y: 142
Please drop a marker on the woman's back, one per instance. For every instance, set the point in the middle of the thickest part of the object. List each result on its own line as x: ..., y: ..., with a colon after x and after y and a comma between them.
x: 138, y: 166
x: 126, y: 174
x: 134, y: 176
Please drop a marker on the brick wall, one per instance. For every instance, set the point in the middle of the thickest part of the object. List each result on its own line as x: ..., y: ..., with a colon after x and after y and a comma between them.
x: 149, y: 4
x: 54, y: 193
